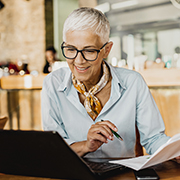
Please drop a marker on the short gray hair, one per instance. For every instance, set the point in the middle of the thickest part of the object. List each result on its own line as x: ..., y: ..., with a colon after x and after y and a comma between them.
x: 86, y: 18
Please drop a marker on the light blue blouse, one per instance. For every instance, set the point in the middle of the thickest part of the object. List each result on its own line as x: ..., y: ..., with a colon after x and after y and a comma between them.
x: 130, y: 103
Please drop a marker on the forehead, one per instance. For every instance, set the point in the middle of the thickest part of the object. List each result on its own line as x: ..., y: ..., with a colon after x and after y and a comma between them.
x: 83, y: 38
x: 49, y: 52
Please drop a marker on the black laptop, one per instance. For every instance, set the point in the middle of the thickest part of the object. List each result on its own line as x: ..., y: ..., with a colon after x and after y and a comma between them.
x: 46, y: 154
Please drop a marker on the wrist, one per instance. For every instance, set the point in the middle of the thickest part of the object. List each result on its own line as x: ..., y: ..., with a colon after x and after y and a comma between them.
x: 80, y: 148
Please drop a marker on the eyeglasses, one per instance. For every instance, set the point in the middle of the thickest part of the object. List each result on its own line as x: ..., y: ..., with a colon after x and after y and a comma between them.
x: 71, y: 52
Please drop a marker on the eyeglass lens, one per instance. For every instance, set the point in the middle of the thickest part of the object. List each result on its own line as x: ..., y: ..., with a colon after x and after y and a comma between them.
x: 88, y: 54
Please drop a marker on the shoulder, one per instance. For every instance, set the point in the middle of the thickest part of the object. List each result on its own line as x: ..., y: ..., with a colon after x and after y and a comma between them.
x: 57, y: 77
x: 126, y: 76
x: 123, y: 72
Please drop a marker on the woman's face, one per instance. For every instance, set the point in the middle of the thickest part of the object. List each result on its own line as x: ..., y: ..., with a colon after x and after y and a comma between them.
x: 88, y: 72
x: 50, y: 56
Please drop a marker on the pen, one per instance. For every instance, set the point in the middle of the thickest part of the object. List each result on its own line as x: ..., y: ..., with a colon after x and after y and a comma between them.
x: 116, y: 134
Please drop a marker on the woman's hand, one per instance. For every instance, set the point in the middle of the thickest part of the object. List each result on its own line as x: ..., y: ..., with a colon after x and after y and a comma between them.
x: 98, y: 134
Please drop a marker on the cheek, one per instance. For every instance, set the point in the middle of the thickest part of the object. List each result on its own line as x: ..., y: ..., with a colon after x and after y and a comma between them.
x: 98, y: 62
x: 97, y: 66
x: 70, y: 63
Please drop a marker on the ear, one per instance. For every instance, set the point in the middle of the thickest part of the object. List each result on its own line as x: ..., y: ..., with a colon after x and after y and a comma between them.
x: 108, y: 49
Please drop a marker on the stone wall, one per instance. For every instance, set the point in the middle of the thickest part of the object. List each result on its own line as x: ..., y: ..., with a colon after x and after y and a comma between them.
x: 22, y: 31
x: 85, y: 3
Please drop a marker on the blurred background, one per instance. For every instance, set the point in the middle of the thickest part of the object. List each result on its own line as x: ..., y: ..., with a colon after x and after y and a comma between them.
x: 146, y: 37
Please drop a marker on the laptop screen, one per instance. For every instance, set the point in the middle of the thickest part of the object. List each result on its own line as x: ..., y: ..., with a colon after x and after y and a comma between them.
x: 40, y: 154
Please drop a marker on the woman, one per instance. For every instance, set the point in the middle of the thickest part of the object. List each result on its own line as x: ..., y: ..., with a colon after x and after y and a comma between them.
x: 50, y: 59
x: 75, y: 100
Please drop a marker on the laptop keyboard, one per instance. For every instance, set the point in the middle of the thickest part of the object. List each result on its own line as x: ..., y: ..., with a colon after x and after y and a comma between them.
x: 103, y: 166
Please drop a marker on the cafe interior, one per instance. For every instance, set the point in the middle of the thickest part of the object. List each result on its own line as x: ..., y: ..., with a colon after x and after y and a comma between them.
x: 146, y: 37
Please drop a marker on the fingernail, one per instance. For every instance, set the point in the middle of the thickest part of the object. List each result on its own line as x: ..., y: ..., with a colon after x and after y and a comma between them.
x: 115, y: 129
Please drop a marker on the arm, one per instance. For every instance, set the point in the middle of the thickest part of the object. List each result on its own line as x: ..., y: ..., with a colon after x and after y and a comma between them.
x: 98, y: 134
x: 148, y: 119
x: 51, y: 116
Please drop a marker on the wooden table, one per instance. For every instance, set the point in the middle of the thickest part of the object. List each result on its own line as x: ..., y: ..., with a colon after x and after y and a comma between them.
x: 169, y: 170
x: 13, y: 84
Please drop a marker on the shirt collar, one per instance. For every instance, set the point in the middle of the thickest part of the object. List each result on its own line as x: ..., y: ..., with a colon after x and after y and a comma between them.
x: 67, y: 81
x: 116, y: 76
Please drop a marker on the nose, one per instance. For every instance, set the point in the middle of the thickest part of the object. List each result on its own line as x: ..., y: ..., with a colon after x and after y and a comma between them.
x: 79, y: 58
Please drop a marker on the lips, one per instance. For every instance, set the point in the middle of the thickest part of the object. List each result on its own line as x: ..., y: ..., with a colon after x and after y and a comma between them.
x: 82, y: 68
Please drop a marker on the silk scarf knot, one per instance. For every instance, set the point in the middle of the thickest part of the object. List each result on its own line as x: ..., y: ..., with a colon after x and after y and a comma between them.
x: 92, y: 103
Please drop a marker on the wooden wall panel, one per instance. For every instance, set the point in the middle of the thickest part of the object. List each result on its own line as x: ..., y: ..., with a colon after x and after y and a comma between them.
x: 168, y: 102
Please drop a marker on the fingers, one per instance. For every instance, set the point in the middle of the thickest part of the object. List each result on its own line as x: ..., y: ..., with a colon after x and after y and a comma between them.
x: 98, y: 137
x: 109, y: 124
x: 98, y: 134
x: 178, y: 159
x: 102, y: 131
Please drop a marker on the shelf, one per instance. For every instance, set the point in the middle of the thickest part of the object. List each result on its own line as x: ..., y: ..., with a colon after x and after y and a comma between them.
x: 161, y: 77
x: 153, y: 77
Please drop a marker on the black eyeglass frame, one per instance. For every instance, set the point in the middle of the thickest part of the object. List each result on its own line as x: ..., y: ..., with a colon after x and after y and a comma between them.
x: 81, y: 51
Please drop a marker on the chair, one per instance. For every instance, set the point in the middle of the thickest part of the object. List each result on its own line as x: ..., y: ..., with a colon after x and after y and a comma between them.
x: 138, y: 147
x: 3, y: 121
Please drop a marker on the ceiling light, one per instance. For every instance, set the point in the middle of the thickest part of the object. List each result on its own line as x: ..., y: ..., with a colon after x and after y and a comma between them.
x: 124, y: 4
x: 105, y: 7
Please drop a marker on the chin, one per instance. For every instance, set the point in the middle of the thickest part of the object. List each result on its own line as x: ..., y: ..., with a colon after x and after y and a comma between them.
x: 81, y: 79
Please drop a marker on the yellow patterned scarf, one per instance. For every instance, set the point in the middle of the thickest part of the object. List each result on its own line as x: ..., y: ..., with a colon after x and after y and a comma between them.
x: 91, y: 103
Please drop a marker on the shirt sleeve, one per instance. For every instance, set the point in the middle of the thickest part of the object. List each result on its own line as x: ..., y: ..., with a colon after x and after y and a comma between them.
x: 51, y: 117
x: 148, y: 119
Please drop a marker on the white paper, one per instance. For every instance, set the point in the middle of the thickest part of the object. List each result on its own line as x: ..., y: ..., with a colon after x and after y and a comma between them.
x: 169, y: 150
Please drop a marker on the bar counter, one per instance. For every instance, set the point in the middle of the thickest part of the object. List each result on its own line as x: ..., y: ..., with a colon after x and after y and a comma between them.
x: 17, y: 82
x: 164, y: 85
x: 161, y: 77
x: 153, y: 77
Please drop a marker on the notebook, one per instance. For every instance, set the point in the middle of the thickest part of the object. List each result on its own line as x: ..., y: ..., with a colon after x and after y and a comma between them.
x: 46, y: 154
